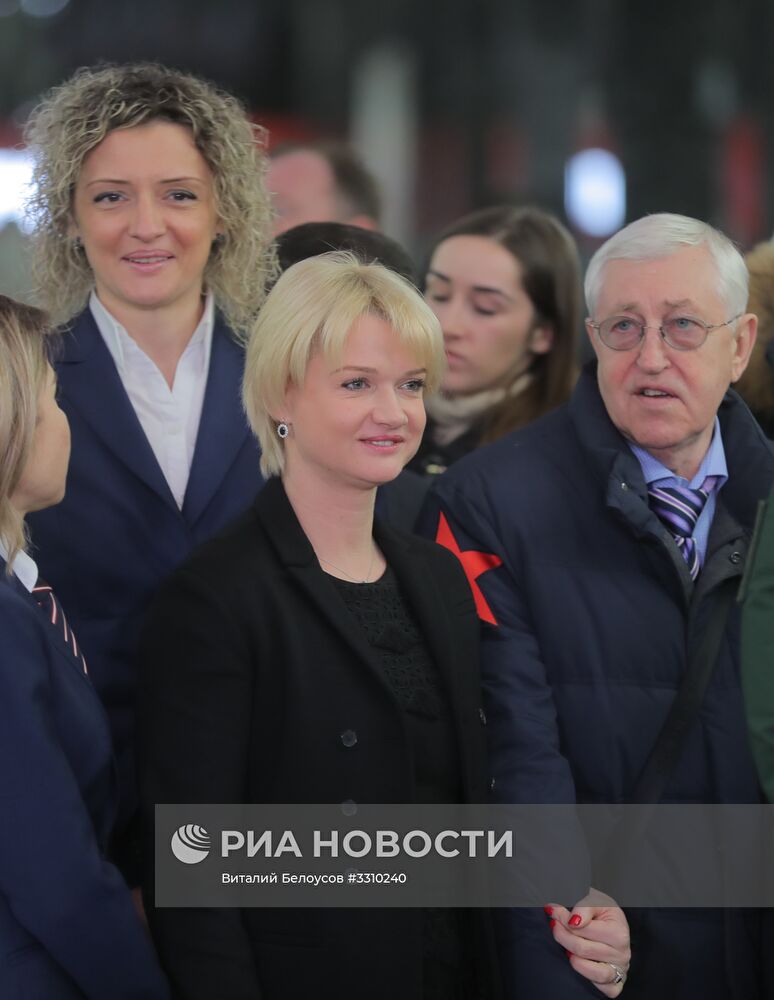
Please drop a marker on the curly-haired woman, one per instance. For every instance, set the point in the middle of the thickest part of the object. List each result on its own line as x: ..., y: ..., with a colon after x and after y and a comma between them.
x: 151, y: 233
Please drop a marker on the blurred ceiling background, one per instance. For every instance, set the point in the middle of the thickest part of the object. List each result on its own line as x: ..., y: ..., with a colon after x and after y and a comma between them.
x: 459, y: 104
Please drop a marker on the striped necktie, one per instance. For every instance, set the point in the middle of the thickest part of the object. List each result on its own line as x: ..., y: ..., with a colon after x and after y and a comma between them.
x: 49, y: 605
x: 678, y: 508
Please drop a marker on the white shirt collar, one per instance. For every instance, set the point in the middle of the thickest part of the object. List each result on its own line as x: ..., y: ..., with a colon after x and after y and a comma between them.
x: 24, y: 567
x: 119, y: 342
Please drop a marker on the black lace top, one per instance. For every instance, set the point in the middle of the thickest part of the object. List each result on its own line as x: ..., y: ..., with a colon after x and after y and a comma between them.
x: 406, y: 664
x: 404, y: 658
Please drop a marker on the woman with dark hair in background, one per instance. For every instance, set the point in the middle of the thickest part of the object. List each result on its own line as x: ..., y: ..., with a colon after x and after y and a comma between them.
x: 68, y: 929
x: 505, y: 285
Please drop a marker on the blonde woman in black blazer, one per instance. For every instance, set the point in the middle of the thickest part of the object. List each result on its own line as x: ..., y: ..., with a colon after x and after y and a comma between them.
x: 311, y: 655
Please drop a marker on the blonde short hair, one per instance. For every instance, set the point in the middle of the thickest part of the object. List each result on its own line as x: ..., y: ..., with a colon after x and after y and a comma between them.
x: 23, y: 368
x: 313, y: 307
x: 75, y: 117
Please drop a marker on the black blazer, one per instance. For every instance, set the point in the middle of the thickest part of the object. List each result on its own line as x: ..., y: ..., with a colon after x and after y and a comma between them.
x: 118, y: 533
x: 252, y: 669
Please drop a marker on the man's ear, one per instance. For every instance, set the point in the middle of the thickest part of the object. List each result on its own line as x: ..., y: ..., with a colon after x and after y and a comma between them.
x: 744, y: 341
x: 592, y: 335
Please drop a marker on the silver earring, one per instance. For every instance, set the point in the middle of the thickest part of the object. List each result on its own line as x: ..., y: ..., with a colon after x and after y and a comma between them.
x: 77, y: 245
x: 282, y: 430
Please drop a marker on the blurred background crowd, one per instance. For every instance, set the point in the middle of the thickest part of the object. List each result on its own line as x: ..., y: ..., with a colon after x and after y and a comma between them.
x: 593, y: 111
x: 597, y: 111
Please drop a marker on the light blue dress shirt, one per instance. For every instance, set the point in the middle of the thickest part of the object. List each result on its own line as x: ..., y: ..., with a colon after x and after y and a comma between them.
x: 713, y: 464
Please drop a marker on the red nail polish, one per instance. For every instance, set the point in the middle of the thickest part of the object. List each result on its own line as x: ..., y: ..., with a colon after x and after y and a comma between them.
x: 548, y: 909
x: 552, y: 923
x: 576, y: 921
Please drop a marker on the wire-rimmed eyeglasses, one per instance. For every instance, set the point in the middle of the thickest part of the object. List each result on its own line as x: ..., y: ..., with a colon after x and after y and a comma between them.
x: 683, y: 333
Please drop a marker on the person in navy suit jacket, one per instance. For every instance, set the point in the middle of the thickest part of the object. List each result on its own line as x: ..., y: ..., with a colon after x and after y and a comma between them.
x: 152, y: 251
x: 68, y: 928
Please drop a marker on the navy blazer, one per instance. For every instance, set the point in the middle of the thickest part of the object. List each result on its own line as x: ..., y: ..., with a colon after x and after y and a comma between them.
x: 119, y: 532
x: 68, y: 928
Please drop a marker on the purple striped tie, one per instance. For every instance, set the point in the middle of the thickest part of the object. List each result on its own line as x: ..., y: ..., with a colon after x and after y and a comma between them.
x: 678, y: 508
x: 49, y: 605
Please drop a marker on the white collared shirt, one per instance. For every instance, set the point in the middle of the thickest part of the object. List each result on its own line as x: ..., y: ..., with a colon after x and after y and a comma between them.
x: 24, y: 567
x: 169, y: 417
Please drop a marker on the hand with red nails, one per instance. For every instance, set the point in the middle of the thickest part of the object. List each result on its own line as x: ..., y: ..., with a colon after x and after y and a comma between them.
x: 595, y: 935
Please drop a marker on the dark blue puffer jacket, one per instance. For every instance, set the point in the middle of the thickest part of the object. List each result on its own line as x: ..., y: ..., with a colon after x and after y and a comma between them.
x: 591, y: 617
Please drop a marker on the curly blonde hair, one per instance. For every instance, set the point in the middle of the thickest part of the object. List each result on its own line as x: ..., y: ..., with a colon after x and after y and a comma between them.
x: 76, y: 116
x: 24, y: 353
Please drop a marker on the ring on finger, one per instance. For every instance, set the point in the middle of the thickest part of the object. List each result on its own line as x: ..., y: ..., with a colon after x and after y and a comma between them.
x: 619, y: 976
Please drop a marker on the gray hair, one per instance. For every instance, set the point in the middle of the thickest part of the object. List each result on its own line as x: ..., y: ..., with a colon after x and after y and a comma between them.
x: 661, y: 235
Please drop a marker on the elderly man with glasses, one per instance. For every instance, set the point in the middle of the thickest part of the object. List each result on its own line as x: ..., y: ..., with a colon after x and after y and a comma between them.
x: 604, y: 545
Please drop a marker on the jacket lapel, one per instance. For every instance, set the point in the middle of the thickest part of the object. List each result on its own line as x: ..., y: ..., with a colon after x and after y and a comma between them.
x: 90, y: 385
x: 295, y: 551
x: 749, y: 475
x: 459, y: 681
x: 626, y: 491
x: 55, y: 634
x: 417, y: 582
x: 419, y: 585
x: 223, y: 426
